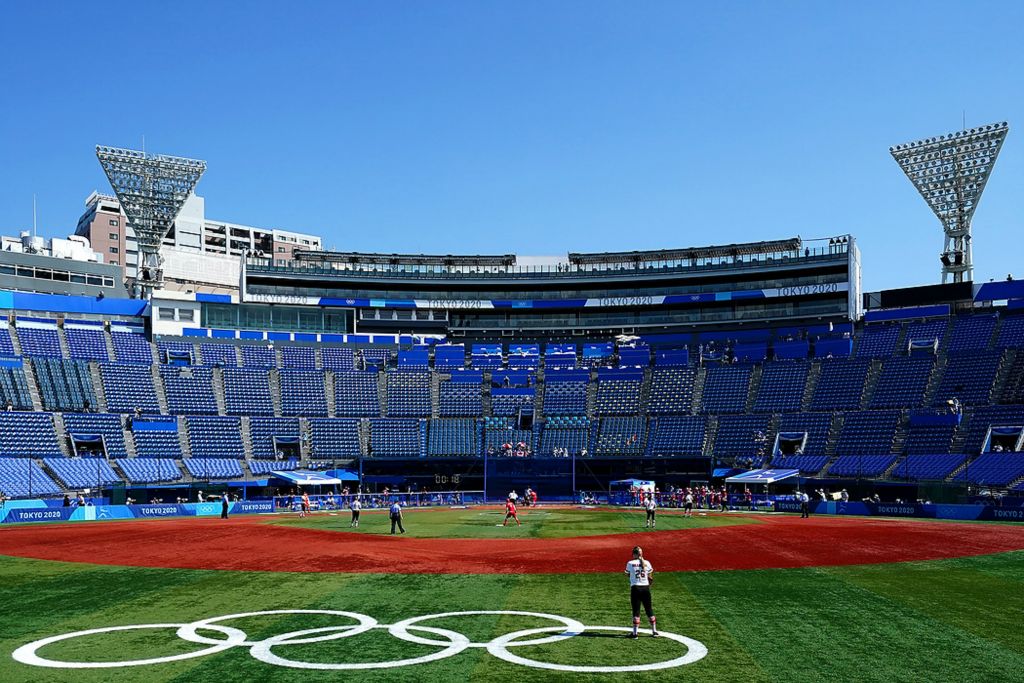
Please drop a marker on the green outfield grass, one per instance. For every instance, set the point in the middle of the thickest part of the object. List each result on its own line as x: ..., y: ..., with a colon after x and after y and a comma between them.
x: 542, y: 522
x: 950, y: 620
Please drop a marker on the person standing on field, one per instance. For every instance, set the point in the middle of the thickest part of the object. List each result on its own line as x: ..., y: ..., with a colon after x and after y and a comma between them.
x: 396, y: 517
x: 639, y: 572
x: 650, y: 506
x: 355, y: 506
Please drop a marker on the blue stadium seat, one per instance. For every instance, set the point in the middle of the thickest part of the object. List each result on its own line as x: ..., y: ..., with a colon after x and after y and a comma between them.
x: 841, y: 384
x: 131, y: 347
x: 396, y: 438
x: 671, y: 391
x: 81, y: 473
x: 212, y: 437
x: 189, y: 390
x: 878, y: 340
x: 269, y: 434
x: 782, y: 387
x: 103, y: 424
x: 219, y: 355
x: 28, y: 435
x: 23, y: 478
x: 408, y: 394
x: 86, y: 342
x: 128, y: 387
x: 333, y: 438
x: 566, y: 435
x: 303, y: 392
x: 725, y: 388
x: 355, y: 394
x: 676, y: 435
x: 247, y: 391
x: 868, y: 433
x: 213, y: 468
x: 454, y: 436
x: 14, y: 389
x: 258, y: 356
x: 64, y: 384
x: 149, y: 470
x: 902, y: 382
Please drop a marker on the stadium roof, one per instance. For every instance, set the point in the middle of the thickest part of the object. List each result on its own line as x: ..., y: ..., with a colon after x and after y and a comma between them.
x: 723, y: 251
x: 408, y: 259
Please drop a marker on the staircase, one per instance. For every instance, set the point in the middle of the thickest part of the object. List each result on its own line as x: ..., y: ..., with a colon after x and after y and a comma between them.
x: 318, y: 358
x: 957, y: 445
x: 645, y: 390
x: 435, y: 394
x: 753, y: 387
x: 219, y: 392
x: 305, y: 441
x: 33, y: 386
x: 246, y: 428
x: 1003, y: 374
x: 813, y: 374
x: 935, y: 378
x: 870, y: 382
x: 364, y: 436
x: 155, y: 352
x: 382, y: 393
x: 161, y: 390
x: 109, y: 341
x: 710, y: 432
x: 62, y: 339
x: 238, y: 356
x: 592, y: 396
x: 329, y: 388
x: 183, y: 438
x: 197, y: 354
x: 129, y: 438
x: 538, y: 397
x: 274, y: 378
x: 900, y: 438
x: 15, y: 340
x: 62, y: 435
x: 835, y: 429
x: 698, y: 390
x: 901, y: 341
x: 97, y: 387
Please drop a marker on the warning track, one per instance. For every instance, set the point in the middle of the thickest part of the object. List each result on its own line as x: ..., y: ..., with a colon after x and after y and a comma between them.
x: 250, y: 544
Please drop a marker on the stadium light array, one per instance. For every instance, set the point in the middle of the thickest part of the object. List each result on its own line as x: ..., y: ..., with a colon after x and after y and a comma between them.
x: 950, y: 172
x: 151, y: 189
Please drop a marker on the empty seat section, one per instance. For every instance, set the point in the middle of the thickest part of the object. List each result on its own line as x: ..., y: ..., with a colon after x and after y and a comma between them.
x: 738, y: 435
x: 782, y: 387
x: 618, y: 395
x: 671, y: 391
x: 261, y: 467
x: 39, y: 342
x: 968, y: 377
x: 303, y: 392
x: 6, y: 344
x: 927, y: 331
x: 213, y: 468
x: 840, y: 384
x: 181, y: 353
x: 902, y: 382
x: 189, y: 390
x: 131, y: 347
x: 23, y: 478
x: 567, y: 435
x: 64, y: 384
x: 219, y: 355
x: 395, y: 438
x: 298, y: 357
x: 560, y: 356
x: 926, y: 439
x: 408, y: 394
x: 807, y: 464
x: 454, y: 436
x: 981, y: 419
x: 1011, y: 332
x: 486, y: 356
x: 28, y: 435
x: 507, y: 402
x: 378, y: 358
x: 14, y: 388
x: 333, y: 438
x: 878, y: 341
x: 337, y: 358
x: 149, y: 470
x: 156, y: 438
x: 565, y: 398
x: 815, y: 426
x: 86, y: 342
x: 993, y: 469
x: 80, y: 473
x: 1013, y: 389
x: 449, y: 357
x: 211, y: 437
x: 927, y: 467
x: 725, y: 388
x: 620, y: 436
x: 247, y: 392
x: 971, y: 333
x: 258, y: 356
x: 868, y: 433
x: 676, y: 435
x: 523, y: 355
x: 128, y: 387
x: 274, y: 437
x: 500, y: 432
x: 98, y: 424
x: 861, y: 465
x: 460, y: 399
x: 355, y: 394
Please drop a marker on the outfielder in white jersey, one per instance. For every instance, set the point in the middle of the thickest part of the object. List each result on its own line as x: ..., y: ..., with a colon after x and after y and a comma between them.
x: 639, y: 572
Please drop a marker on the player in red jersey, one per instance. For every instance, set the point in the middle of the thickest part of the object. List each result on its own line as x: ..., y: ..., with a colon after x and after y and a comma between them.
x: 510, y: 513
x: 305, y: 507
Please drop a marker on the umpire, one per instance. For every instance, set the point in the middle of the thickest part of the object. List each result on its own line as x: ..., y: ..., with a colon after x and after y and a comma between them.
x: 805, y: 507
x: 396, y: 517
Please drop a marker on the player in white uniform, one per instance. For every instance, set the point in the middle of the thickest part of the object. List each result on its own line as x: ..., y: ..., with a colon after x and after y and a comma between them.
x: 639, y: 572
x: 355, y: 506
x: 650, y: 506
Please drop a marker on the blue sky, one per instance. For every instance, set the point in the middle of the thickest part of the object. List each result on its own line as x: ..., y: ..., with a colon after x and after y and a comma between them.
x: 535, y: 128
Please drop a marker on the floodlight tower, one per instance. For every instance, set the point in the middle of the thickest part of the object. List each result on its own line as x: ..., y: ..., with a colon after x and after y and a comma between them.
x: 152, y: 189
x: 950, y: 172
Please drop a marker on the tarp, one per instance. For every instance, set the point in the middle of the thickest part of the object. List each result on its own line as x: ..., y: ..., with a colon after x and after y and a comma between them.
x: 306, y: 478
x: 769, y: 476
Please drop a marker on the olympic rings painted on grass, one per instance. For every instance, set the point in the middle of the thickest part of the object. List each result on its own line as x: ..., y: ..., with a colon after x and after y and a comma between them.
x: 452, y: 642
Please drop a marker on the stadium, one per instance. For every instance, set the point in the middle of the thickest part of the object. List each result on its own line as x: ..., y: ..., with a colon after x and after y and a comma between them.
x: 493, y: 342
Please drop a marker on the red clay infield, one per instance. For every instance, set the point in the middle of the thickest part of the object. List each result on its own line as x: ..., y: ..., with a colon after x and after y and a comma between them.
x: 249, y: 545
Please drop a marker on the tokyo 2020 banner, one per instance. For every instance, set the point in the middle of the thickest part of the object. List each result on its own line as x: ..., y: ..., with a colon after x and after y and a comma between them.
x: 37, y: 511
